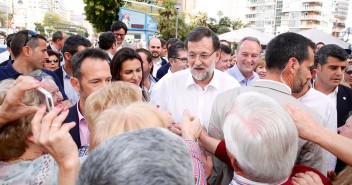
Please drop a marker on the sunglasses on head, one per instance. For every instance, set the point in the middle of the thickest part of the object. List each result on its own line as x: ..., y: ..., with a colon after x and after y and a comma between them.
x: 30, y: 35
x: 50, y: 61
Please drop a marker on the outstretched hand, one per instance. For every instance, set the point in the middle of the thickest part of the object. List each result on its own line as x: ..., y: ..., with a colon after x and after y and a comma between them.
x: 13, y: 107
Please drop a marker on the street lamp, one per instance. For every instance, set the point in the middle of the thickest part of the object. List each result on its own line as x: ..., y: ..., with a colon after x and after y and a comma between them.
x: 177, y: 7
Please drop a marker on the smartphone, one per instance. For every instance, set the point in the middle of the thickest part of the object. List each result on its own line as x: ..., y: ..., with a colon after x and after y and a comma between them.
x: 48, y: 99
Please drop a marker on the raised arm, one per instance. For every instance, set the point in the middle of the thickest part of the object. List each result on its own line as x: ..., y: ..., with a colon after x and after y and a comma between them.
x: 308, y: 129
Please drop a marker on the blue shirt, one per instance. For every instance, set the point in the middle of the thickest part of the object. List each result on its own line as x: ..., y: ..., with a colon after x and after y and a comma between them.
x: 8, y: 71
x: 236, y: 73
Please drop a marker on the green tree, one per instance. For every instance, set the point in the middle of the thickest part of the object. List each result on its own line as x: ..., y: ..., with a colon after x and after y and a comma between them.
x: 225, y: 22
x: 50, y: 19
x: 213, y: 25
x: 237, y: 24
x: 167, y: 21
x: 102, y: 14
x: 39, y: 28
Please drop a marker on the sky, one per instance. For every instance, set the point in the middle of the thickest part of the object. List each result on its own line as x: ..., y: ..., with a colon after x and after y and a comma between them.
x: 76, y: 5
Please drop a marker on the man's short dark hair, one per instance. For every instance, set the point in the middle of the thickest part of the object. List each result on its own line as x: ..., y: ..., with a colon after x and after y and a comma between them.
x: 225, y: 49
x: 106, y: 40
x: 285, y: 46
x: 171, y: 41
x: 57, y: 36
x: 330, y: 50
x: 175, y: 48
x: 320, y: 43
x: 9, y: 39
x: 199, y: 33
x: 73, y: 42
x: 78, y: 59
x: 22, y: 38
x: 118, y: 25
x: 163, y: 42
x: 147, y: 53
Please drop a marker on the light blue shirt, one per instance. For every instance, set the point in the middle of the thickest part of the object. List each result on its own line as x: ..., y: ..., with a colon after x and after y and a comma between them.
x: 236, y: 73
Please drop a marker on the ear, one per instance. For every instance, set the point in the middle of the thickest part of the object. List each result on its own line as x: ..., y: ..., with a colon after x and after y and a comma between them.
x: 27, y: 51
x: 171, y: 61
x: 292, y: 65
x: 67, y: 56
x: 313, y: 72
x: 75, y: 84
x: 217, y: 55
x: 150, y: 65
x: 319, y: 68
x: 234, y: 164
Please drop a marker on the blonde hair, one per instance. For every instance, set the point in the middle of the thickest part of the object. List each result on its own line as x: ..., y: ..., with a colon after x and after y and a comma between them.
x: 118, y: 92
x: 119, y: 119
x: 344, y: 177
x: 13, y: 142
x: 261, y: 62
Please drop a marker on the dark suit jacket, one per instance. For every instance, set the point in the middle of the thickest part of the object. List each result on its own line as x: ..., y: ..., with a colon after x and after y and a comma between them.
x: 343, y: 106
x: 163, y: 70
x: 73, y: 116
x: 59, y: 73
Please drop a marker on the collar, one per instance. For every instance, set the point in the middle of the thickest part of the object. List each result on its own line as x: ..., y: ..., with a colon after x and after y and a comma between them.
x: 213, y: 83
x: 11, y: 71
x: 239, y: 180
x: 64, y: 73
x: 335, y: 91
x: 53, y: 48
x: 80, y: 116
x: 273, y: 85
x: 239, y: 75
x: 152, y: 79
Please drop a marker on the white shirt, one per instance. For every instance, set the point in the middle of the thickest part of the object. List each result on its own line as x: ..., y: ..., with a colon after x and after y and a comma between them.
x: 156, y: 67
x: 72, y: 95
x: 326, y: 108
x: 178, y: 92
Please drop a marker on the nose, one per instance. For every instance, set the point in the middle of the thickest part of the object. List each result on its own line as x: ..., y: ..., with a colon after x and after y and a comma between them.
x: 340, y: 129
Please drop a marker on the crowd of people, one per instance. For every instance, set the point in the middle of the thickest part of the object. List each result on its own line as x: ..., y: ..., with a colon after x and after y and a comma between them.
x: 175, y: 112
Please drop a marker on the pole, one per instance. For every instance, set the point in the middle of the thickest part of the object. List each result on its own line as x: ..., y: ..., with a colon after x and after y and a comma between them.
x: 176, y: 22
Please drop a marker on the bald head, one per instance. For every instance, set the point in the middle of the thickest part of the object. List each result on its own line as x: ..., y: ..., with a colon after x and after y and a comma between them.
x: 155, y: 47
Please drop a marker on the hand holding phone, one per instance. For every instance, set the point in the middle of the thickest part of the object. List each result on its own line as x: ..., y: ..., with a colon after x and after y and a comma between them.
x: 48, y: 98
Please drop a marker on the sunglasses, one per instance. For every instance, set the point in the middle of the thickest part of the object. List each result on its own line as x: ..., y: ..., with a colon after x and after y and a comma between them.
x: 348, y: 72
x: 50, y: 61
x: 30, y: 35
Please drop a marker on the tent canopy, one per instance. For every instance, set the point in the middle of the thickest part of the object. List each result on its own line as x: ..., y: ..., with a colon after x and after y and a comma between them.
x: 320, y: 36
x: 237, y: 35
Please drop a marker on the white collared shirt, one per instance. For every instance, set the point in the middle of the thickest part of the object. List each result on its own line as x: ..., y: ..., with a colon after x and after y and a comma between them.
x: 326, y: 108
x: 236, y: 73
x: 156, y: 67
x: 178, y: 91
x: 72, y: 95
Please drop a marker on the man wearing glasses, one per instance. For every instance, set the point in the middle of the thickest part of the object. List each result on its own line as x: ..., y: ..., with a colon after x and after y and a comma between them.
x: 194, y: 88
x: 120, y: 30
x: 30, y: 54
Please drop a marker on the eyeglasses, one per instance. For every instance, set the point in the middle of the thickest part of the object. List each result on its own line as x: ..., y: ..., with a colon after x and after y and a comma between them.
x: 348, y: 72
x: 30, y: 35
x: 50, y: 61
x: 119, y: 35
x: 183, y: 60
x: 192, y: 56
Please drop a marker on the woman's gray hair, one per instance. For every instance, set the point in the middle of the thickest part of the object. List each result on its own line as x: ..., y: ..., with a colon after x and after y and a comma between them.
x: 146, y: 156
x: 262, y: 137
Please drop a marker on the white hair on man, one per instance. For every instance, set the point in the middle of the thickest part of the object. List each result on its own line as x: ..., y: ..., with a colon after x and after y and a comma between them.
x: 146, y: 156
x: 261, y: 138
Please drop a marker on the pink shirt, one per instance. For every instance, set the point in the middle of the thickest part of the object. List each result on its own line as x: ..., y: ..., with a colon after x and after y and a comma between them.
x: 83, y: 128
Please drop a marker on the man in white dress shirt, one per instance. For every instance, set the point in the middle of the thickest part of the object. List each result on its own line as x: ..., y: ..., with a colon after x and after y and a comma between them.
x: 195, y: 88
